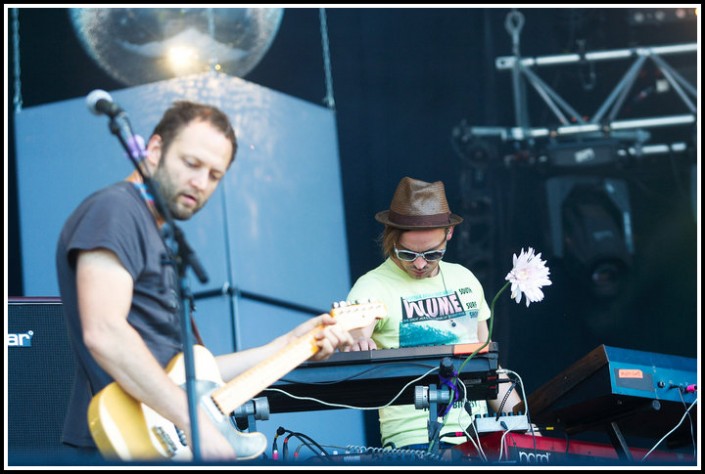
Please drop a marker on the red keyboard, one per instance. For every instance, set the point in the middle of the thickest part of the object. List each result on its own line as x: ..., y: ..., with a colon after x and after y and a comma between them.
x: 527, y: 449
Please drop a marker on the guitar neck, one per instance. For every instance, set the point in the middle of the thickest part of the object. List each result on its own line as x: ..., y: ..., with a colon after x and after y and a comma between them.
x: 251, y: 382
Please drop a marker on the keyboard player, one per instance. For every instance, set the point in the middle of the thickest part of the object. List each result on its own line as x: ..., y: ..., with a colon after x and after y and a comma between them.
x: 429, y: 302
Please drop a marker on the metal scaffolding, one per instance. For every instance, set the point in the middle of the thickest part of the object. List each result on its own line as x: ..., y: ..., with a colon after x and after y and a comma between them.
x: 604, y: 122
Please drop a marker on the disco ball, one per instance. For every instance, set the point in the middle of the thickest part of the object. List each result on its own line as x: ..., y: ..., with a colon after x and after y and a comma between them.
x: 141, y: 45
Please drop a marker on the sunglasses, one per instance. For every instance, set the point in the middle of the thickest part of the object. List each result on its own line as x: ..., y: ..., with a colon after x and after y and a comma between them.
x: 410, y: 256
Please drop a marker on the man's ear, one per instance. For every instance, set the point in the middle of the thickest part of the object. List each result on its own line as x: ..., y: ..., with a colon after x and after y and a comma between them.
x: 154, y: 151
x: 449, y: 234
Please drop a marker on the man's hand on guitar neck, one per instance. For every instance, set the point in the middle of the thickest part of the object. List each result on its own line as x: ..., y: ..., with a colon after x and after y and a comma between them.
x: 323, y: 331
x: 327, y: 334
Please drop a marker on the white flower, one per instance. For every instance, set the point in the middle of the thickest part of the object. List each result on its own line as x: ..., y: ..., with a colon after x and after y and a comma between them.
x: 528, y: 276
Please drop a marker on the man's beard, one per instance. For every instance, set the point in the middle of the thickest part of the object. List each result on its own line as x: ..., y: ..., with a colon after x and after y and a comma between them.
x: 170, y: 194
x: 179, y: 213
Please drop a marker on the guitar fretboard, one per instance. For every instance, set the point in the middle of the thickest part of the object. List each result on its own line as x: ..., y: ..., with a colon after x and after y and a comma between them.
x: 249, y: 383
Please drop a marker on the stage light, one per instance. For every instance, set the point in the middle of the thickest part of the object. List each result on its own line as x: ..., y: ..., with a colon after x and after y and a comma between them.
x: 591, y: 230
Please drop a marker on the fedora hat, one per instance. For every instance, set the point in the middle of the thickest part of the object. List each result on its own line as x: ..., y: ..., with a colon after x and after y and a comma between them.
x: 418, y: 205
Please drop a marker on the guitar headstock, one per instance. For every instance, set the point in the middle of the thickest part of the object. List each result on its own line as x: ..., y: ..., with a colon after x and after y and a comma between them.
x: 358, y: 314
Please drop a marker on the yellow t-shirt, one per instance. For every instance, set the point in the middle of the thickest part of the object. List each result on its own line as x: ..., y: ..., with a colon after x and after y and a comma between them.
x: 440, y: 310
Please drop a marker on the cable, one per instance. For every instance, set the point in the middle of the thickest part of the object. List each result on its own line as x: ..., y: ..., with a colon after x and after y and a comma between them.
x: 298, y: 448
x: 689, y: 389
x: 523, y: 394
x: 17, y: 99
x: 526, y: 402
x: 468, y: 410
x: 504, y: 435
x: 505, y: 398
x: 285, y: 446
x: 457, y: 402
x: 275, y: 449
x: 328, y: 100
x: 447, y: 375
x: 672, y: 430
x: 308, y: 441
x: 501, y: 441
x: 478, y: 445
x: 341, y: 405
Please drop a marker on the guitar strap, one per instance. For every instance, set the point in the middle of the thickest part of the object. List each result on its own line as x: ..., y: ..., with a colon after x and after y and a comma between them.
x: 136, y: 180
x: 196, y: 334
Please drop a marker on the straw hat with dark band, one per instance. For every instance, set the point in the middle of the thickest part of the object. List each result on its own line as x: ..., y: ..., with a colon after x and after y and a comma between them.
x: 418, y: 205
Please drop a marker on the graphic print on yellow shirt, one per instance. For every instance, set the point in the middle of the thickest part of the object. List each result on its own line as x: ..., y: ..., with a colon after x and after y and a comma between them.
x: 436, y: 319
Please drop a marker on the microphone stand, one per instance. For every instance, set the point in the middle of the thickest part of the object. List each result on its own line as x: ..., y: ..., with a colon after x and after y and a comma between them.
x: 179, y: 254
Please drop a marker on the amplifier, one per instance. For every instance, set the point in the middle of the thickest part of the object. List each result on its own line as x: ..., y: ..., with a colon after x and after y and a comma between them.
x: 40, y: 367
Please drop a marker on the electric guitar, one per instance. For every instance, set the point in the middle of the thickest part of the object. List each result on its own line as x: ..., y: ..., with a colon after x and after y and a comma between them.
x: 124, y: 428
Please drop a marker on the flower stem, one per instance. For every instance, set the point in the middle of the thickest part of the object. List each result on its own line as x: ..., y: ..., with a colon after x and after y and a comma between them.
x: 489, y: 329
x: 494, y: 300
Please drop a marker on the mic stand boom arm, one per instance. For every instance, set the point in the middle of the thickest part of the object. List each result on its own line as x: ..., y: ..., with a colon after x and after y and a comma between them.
x: 179, y: 254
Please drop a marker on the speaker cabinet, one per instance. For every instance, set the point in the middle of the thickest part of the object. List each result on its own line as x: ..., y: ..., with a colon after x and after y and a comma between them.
x: 40, y: 367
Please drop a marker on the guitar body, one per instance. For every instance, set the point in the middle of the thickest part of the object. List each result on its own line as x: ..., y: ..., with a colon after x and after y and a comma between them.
x: 127, y: 429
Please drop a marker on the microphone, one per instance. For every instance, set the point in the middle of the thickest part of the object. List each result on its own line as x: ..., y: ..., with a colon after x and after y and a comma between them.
x: 99, y: 102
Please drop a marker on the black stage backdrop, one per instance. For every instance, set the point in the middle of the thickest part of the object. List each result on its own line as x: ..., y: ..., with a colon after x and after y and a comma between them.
x: 404, y: 81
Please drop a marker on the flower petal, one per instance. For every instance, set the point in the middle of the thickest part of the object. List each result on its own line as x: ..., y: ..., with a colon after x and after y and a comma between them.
x: 527, y: 276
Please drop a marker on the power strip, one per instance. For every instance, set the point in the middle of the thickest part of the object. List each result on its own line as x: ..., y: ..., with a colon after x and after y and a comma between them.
x: 490, y: 423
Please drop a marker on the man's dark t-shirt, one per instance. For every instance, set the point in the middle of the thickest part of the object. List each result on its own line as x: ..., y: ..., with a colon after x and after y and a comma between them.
x: 116, y: 218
